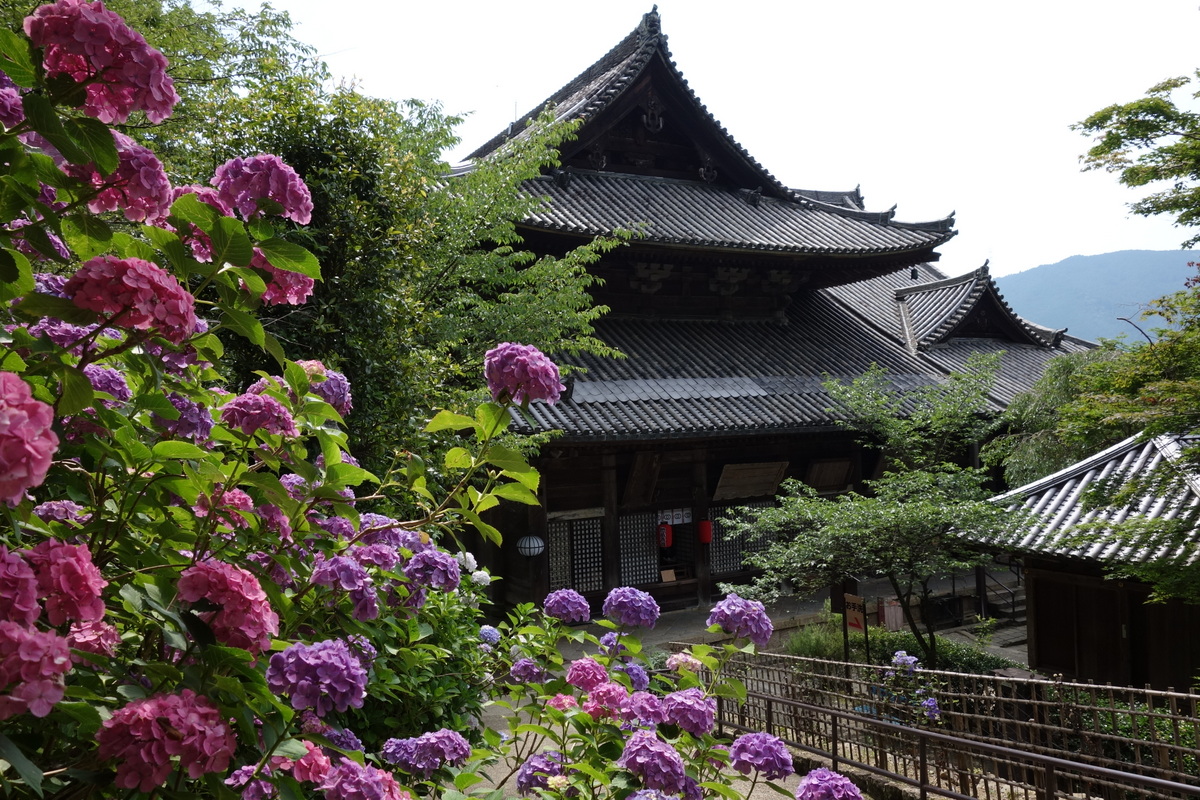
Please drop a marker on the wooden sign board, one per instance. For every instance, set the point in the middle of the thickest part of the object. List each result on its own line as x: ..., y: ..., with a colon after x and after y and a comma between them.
x: 856, y: 613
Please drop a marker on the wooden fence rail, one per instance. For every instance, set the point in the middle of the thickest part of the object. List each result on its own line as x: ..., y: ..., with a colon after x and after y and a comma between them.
x: 938, y: 763
x: 1134, y: 732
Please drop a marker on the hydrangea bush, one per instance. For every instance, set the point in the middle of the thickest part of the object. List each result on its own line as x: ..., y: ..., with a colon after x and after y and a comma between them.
x: 197, y: 597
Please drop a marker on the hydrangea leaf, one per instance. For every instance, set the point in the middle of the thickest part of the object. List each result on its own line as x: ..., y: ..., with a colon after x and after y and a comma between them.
x: 28, y: 771
x: 448, y: 420
x: 15, y: 58
x: 230, y: 244
x: 515, y: 492
x: 41, y: 115
x: 86, y: 235
x: 291, y: 257
x: 76, y: 391
x: 16, y: 274
x: 95, y: 139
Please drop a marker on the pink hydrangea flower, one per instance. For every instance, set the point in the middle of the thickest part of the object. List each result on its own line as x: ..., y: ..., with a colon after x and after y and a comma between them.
x: 283, y: 286
x: 225, y: 505
x: 609, y: 700
x: 68, y: 581
x: 27, y: 443
x: 18, y: 589
x: 139, y: 187
x: 95, y: 636
x: 93, y: 45
x: 145, y: 735
x: 134, y: 294
x: 586, y: 673
x: 562, y: 702
x: 349, y: 780
x: 520, y: 372
x: 246, y: 618
x: 251, y: 413
x: 32, y: 665
x: 312, y: 767
x: 243, y: 182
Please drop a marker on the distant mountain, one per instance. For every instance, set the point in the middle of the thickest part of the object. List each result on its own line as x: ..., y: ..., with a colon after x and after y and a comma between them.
x: 1087, y: 294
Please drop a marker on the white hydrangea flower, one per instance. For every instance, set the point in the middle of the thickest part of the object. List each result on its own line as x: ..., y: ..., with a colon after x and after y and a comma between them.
x: 480, y: 578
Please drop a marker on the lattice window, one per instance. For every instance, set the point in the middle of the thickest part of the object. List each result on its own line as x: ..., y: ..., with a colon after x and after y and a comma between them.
x: 576, y: 555
x: 639, y: 549
x: 728, y: 551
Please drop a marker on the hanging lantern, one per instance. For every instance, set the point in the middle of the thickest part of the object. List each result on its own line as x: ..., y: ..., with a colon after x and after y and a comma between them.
x: 531, y: 546
x: 704, y: 532
x: 666, y: 535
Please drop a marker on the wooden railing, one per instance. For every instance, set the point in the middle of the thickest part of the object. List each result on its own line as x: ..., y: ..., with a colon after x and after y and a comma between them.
x: 938, y: 763
x: 1137, y: 733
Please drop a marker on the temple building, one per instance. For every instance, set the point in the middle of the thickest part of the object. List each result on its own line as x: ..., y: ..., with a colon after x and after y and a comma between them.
x: 738, y: 298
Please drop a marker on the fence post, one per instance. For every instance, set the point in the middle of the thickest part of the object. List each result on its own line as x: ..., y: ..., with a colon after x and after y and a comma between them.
x: 833, y: 756
x: 922, y: 744
x: 1051, y: 782
x: 770, y: 716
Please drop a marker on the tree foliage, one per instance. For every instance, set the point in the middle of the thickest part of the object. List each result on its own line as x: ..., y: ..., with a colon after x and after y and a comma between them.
x: 907, y: 526
x: 1153, y: 141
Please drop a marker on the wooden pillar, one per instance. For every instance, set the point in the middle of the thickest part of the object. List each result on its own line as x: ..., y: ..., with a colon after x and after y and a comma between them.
x: 700, y: 552
x: 611, y: 537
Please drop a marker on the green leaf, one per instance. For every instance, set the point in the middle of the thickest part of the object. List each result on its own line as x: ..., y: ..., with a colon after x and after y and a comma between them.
x: 15, y: 58
x: 230, y: 244
x: 24, y: 767
x: 447, y: 420
x: 170, y: 244
x: 37, y: 237
x: 95, y: 139
x: 517, y: 493
x: 76, y: 392
x: 722, y: 789
x: 488, y: 532
x: 190, y: 208
x: 245, y: 324
x: 274, y: 348
x: 174, y: 449
x: 19, y: 283
x: 84, y: 713
x: 291, y: 257
x: 291, y: 748
x: 9, y: 272
x: 507, y: 459
x: 348, y: 475
x: 492, y: 418
x: 260, y: 228
x: 87, y: 235
x: 530, y: 478
x: 465, y: 780
x: 458, y: 458
x: 41, y: 114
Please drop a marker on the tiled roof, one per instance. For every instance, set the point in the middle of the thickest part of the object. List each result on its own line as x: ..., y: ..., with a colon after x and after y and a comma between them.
x: 599, y: 86
x: 1055, y: 505
x: 703, y: 215
x: 699, y: 379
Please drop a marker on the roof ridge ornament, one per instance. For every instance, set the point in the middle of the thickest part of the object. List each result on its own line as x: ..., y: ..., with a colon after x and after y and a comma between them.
x: 652, y: 119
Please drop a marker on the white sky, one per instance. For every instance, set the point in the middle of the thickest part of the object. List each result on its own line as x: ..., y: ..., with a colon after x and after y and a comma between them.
x: 932, y: 105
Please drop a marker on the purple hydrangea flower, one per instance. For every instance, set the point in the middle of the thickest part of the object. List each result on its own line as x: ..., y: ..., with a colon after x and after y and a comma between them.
x: 338, y: 527
x: 691, y: 710
x: 646, y: 708
x: 349, y: 780
x: 242, y: 182
x: 251, y: 413
x: 654, y: 761
x: 424, y: 754
x: 638, y: 678
x: 107, y: 379
x: 61, y: 511
x: 568, y: 606
x: 344, y: 739
x: 526, y: 670
x: 434, y: 568
x: 825, y: 784
x: 520, y: 373
x: 903, y: 661
x: 322, y: 676
x: 335, y: 390
x: 539, y: 767
x: 489, y: 634
x: 384, y: 556
x: 194, y: 422
x: 651, y: 794
x: 345, y: 573
x: 610, y: 644
x: 929, y: 706
x: 628, y: 606
x: 762, y: 752
x: 744, y: 619
x: 586, y: 673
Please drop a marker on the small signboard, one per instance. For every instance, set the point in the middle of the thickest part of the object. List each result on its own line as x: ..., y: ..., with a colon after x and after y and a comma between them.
x: 856, y: 613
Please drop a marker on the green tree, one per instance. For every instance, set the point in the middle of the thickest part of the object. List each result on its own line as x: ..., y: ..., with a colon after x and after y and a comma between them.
x: 907, y: 526
x: 1154, y: 140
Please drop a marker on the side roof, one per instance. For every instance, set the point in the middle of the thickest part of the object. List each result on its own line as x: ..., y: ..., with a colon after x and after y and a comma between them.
x: 691, y: 378
x: 1055, y: 507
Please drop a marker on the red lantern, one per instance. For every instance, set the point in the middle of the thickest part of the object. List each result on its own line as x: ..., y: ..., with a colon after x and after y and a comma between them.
x: 705, y: 531
x: 665, y: 535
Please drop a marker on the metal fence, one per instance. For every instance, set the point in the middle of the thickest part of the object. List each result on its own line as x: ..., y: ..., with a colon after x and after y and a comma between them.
x: 1125, y: 731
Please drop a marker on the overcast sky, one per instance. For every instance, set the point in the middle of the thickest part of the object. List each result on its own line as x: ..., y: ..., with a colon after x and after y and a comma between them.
x: 935, y: 107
